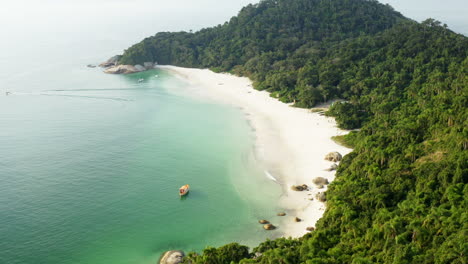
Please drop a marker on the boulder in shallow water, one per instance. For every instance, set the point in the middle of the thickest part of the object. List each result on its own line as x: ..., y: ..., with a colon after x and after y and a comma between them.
x: 269, y: 227
x: 297, y: 219
x: 263, y: 221
x: 281, y: 214
x: 172, y: 257
x: 333, y: 156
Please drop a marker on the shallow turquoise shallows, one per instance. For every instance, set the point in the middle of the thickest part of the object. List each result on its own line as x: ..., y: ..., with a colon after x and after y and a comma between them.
x: 91, y: 165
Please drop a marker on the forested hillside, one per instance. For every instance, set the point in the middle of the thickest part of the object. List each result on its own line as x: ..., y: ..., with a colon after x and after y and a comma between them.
x: 401, y: 196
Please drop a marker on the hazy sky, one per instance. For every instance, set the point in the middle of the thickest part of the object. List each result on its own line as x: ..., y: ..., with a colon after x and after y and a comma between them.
x: 452, y: 12
x: 124, y: 22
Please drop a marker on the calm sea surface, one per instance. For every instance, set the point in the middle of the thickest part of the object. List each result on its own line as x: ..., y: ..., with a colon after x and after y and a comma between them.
x: 90, y: 164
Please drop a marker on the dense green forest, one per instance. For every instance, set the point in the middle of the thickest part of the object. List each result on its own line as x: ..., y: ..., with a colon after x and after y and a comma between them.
x: 401, y: 196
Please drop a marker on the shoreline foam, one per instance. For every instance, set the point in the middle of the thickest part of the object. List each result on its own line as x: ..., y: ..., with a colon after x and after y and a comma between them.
x: 290, y: 142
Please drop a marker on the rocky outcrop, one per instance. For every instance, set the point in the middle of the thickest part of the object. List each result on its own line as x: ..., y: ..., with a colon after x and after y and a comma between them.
x: 172, y: 257
x: 269, y: 227
x: 121, y: 69
x: 112, y: 66
x: 111, y: 62
x: 333, y: 156
x: 263, y: 221
x: 299, y: 188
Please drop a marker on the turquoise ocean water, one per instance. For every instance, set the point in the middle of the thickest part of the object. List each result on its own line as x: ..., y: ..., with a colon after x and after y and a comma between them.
x: 90, y: 163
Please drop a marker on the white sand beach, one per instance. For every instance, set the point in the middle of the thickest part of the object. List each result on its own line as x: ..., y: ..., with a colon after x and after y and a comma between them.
x: 290, y: 142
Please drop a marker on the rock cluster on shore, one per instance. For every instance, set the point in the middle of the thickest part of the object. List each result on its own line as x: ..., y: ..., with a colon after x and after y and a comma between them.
x: 112, y: 66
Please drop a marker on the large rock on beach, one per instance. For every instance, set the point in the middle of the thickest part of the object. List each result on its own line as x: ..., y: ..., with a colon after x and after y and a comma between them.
x: 172, y: 257
x: 333, y: 156
x: 122, y: 69
x: 297, y: 219
x: 299, y: 188
x: 269, y: 227
x: 310, y: 228
x: 320, y: 181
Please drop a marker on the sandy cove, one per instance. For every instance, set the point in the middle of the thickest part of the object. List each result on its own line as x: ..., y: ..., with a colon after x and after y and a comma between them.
x: 290, y: 142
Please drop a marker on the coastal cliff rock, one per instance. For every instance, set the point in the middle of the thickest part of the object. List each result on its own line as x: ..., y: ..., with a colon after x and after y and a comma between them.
x: 172, y: 257
x: 333, y: 156
x: 321, y: 197
x: 149, y: 65
x: 140, y: 68
x: 122, y: 69
x: 112, y: 66
x: 113, y: 61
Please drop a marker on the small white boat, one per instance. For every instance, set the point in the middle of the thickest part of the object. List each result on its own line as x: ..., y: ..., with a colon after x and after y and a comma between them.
x: 140, y: 80
x: 184, y: 190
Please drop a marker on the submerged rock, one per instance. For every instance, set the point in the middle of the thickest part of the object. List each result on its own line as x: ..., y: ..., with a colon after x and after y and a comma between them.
x: 264, y: 221
x: 333, y: 156
x: 172, y: 257
x: 269, y: 227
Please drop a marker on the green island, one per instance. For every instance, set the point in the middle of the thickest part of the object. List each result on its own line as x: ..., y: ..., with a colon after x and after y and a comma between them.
x: 401, y: 196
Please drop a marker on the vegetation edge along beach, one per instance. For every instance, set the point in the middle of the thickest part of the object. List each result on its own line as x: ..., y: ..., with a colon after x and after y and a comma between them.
x: 400, y: 196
